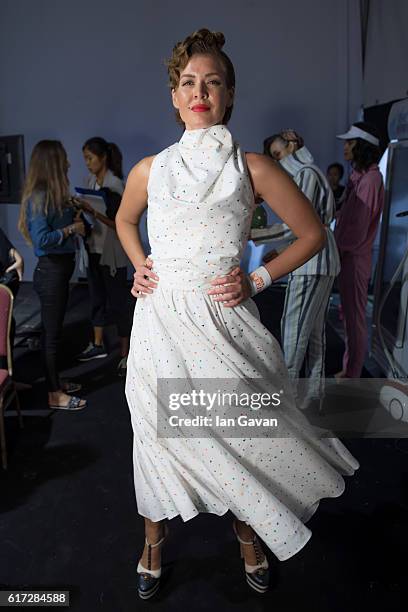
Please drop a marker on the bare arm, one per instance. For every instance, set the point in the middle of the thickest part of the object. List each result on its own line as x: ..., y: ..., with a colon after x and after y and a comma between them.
x: 133, y: 204
x: 83, y: 204
x: 282, y: 195
x: 18, y: 264
x: 104, y: 219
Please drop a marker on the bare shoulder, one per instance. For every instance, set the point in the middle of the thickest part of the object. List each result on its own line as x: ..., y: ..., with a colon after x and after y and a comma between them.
x: 141, y: 171
x: 134, y: 199
x: 266, y: 174
x: 258, y: 164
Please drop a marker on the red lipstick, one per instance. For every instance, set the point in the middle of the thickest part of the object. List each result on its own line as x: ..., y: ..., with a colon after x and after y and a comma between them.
x: 200, y: 108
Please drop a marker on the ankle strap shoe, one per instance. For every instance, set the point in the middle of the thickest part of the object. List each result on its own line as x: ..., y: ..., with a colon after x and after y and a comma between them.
x: 257, y: 576
x: 148, y: 579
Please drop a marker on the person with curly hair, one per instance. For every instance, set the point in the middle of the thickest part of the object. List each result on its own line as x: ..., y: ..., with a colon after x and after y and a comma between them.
x: 196, y: 320
x: 355, y: 232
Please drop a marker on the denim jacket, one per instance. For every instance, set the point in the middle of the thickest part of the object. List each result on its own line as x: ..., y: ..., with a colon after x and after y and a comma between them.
x: 46, y: 231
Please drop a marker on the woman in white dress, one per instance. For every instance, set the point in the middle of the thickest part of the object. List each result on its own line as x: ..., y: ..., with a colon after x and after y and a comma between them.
x: 196, y: 321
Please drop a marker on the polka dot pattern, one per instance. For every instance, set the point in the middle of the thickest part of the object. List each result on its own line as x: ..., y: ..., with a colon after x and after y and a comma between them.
x: 199, y: 215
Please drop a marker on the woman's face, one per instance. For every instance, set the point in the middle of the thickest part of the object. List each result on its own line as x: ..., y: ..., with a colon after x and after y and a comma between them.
x: 94, y: 163
x: 202, y: 95
x: 278, y: 149
x: 348, y: 149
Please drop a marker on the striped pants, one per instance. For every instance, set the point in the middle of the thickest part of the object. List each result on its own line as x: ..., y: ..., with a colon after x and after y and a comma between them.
x: 303, y: 329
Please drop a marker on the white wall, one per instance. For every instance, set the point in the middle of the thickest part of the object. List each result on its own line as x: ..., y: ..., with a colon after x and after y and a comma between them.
x: 81, y: 69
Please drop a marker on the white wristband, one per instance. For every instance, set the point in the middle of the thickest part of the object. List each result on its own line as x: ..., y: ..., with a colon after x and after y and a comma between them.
x: 259, y: 280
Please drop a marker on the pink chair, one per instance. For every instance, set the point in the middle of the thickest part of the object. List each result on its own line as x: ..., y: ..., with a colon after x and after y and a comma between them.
x: 8, y: 392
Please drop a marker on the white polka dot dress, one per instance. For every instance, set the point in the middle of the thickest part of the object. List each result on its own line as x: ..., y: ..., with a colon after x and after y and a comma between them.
x: 199, y: 214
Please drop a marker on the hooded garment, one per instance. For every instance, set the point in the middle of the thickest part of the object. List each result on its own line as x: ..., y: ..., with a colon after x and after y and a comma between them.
x: 314, y: 185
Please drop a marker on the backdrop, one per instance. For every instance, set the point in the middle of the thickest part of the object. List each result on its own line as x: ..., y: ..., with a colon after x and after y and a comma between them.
x: 80, y: 69
x: 386, y: 53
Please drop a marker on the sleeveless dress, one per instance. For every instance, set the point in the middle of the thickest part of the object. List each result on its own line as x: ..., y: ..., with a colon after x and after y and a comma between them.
x: 200, y: 206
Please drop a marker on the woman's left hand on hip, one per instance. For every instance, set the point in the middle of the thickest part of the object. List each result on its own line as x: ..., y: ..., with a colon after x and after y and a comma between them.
x: 231, y: 289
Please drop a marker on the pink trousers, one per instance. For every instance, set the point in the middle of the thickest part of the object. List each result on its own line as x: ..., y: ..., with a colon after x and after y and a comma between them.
x: 353, y: 286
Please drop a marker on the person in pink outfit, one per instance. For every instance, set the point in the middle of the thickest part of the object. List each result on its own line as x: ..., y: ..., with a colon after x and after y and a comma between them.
x: 355, y: 231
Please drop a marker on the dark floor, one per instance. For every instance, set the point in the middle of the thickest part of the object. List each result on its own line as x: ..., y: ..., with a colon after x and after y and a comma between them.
x: 69, y: 520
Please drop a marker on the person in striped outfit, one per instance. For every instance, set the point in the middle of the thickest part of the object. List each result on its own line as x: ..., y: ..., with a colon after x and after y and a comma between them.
x: 309, y: 287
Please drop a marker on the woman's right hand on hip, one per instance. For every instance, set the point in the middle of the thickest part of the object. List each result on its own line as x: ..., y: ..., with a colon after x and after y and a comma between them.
x: 143, y: 279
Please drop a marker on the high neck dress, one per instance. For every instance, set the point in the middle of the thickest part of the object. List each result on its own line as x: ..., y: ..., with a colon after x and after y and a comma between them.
x: 200, y: 206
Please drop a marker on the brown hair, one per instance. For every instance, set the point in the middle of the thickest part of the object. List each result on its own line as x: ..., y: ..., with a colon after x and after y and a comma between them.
x: 99, y: 147
x: 285, y: 137
x: 46, y: 184
x: 200, y: 42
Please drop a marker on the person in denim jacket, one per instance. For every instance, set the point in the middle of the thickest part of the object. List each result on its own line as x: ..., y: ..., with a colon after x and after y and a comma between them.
x: 49, y: 222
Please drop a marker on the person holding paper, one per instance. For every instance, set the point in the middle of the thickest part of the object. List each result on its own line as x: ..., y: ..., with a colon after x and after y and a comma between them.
x: 107, y: 266
x: 48, y: 221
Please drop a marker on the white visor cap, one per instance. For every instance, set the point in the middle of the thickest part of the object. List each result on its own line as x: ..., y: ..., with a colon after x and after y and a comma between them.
x: 355, y: 132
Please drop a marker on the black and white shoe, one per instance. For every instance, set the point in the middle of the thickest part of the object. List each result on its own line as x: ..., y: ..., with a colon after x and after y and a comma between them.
x: 74, y: 404
x: 93, y: 351
x: 148, y: 580
x: 257, y: 576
